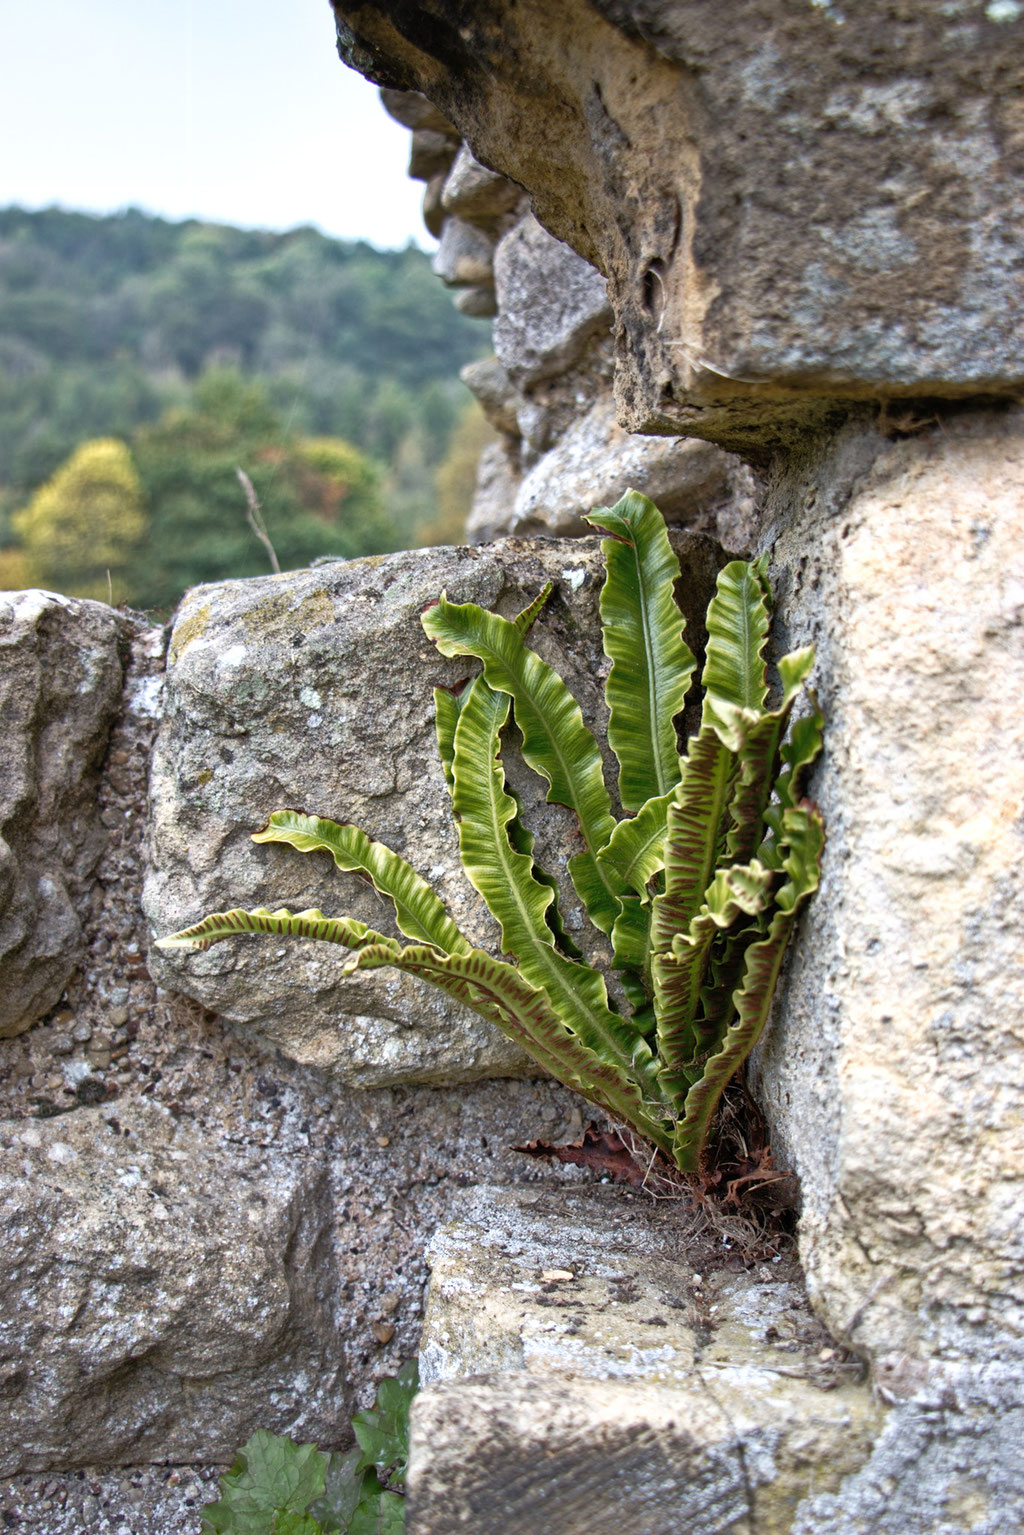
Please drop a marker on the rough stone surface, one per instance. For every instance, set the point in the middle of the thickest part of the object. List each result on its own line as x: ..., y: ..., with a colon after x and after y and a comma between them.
x: 549, y: 392
x: 494, y: 390
x: 585, y: 1351
x: 157, y: 1305
x: 595, y: 461
x: 413, y: 110
x: 430, y: 154
x: 494, y: 498
x: 605, y: 1282
x: 892, y: 1073
x: 465, y: 256
x: 562, y: 453
x: 479, y: 302
x: 550, y: 303
x: 314, y: 690
x: 762, y: 186
x: 599, y: 1457
x: 60, y: 687
x: 473, y: 191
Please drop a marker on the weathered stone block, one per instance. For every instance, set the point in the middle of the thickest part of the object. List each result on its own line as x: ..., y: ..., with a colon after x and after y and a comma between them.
x: 494, y: 497
x: 550, y: 303
x: 763, y: 186
x: 688, y: 479
x: 473, y: 192
x: 580, y: 1373
x: 892, y: 1069
x: 495, y: 392
x: 476, y: 302
x: 313, y: 690
x: 157, y: 1303
x: 430, y: 154
x: 60, y: 688
x: 414, y: 111
x: 465, y: 256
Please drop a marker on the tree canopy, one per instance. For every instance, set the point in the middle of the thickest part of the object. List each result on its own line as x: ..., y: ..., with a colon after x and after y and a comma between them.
x: 81, y: 529
x: 327, y: 370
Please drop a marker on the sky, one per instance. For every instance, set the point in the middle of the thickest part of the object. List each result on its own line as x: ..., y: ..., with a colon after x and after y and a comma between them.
x: 238, y: 111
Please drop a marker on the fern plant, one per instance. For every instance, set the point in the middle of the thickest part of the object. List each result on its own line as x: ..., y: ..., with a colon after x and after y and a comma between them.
x: 697, y: 885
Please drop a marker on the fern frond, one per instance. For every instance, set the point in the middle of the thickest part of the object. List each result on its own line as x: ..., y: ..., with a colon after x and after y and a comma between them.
x: 418, y: 911
x: 652, y: 666
x: 556, y: 743
x: 805, y: 840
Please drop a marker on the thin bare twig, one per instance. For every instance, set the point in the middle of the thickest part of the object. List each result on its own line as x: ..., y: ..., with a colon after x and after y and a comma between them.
x: 254, y: 517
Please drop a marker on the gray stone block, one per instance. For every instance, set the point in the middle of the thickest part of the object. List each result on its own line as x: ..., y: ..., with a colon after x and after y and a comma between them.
x: 60, y: 688
x: 430, y: 154
x: 790, y: 205
x: 313, y: 690
x: 595, y: 461
x: 157, y: 1303
x: 550, y: 303
x: 592, y: 1367
x: 473, y: 192
x: 892, y: 1067
x: 465, y: 256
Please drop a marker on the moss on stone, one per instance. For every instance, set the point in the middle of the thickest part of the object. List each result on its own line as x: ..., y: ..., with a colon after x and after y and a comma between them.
x: 189, y: 629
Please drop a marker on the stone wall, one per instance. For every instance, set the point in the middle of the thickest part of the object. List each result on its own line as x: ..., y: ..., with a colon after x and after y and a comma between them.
x: 212, y: 1229
x: 762, y: 185
x: 782, y: 231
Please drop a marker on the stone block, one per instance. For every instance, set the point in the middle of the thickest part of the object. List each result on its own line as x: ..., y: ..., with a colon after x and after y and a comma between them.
x: 493, y: 388
x: 414, y: 111
x: 477, y: 303
x: 433, y: 212
x: 465, y: 256
x: 892, y: 1070
x: 494, y: 495
x: 60, y: 688
x: 593, y: 462
x: 313, y: 690
x: 763, y: 188
x: 550, y: 303
x: 590, y: 1364
x: 157, y: 1303
x: 473, y: 192
x: 430, y: 154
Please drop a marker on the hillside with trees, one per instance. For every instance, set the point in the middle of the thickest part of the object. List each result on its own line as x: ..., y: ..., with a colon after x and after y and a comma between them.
x: 142, y: 362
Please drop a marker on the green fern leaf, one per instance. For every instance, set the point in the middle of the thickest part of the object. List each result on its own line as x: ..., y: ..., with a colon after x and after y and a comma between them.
x: 419, y: 912
x: 643, y: 638
x: 556, y: 743
x: 497, y: 991
x: 518, y: 901
x: 679, y: 976
x: 636, y: 848
x: 734, y: 667
x: 756, y: 738
x: 805, y: 836
x: 695, y: 838
x: 303, y: 924
x: 446, y: 716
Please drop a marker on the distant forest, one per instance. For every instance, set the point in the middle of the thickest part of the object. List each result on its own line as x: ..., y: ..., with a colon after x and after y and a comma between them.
x: 143, y: 361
